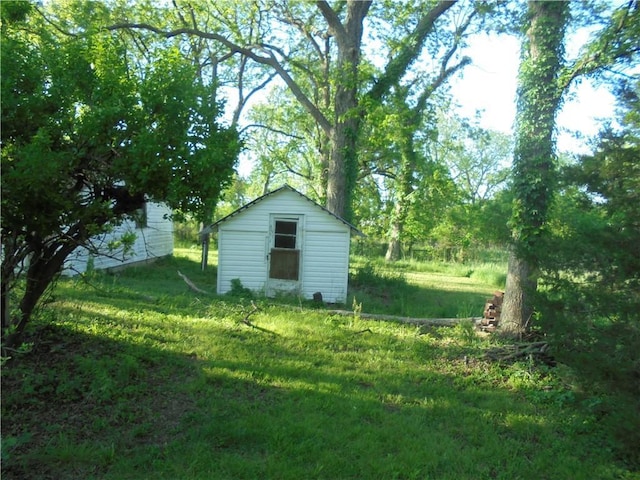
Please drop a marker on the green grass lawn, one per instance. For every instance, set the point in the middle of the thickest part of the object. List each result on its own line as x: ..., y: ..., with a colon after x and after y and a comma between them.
x: 134, y: 376
x: 428, y: 290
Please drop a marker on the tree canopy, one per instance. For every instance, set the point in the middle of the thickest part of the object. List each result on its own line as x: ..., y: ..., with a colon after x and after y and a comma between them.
x: 595, y: 226
x: 90, y: 130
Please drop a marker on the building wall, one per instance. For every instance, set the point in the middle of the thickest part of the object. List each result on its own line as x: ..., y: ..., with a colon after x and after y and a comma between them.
x: 326, y: 265
x: 153, y: 241
x: 244, y: 243
x: 242, y: 255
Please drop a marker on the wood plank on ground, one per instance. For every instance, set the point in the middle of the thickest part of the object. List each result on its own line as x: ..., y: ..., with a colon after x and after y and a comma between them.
x: 437, y: 322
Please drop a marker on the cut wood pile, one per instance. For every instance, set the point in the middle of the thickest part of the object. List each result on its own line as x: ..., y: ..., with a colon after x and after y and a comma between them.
x: 491, y: 316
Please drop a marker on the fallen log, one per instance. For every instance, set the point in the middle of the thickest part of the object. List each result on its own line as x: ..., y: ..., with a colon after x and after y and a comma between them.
x: 434, y: 322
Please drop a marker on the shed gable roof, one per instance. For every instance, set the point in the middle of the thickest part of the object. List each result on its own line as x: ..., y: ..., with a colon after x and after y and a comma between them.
x: 214, y: 226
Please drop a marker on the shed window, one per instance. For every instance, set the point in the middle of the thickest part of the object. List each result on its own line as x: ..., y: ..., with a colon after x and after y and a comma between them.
x: 285, y: 234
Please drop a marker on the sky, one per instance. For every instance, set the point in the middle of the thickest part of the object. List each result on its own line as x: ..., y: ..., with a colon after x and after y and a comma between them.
x: 489, y: 85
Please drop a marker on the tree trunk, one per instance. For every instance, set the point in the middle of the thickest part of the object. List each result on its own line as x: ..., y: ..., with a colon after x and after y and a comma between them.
x: 404, y: 180
x: 533, y: 166
x: 45, y: 264
x: 206, y: 238
x: 343, y: 168
x: 5, y: 314
x: 7, y: 279
x: 204, y: 259
x: 394, y: 248
x: 337, y: 175
x: 517, y: 307
x: 401, y: 208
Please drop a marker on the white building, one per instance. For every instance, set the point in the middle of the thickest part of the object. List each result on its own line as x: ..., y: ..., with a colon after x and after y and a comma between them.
x: 284, y: 242
x: 153, y: 239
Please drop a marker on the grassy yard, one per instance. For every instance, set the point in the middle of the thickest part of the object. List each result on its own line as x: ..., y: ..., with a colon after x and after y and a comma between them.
x: 134, y: 376
x: 421, y: 289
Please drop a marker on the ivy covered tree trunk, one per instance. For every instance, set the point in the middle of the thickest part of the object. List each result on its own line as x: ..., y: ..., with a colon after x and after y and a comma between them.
x: 539, y: 94
x: 394, y: 247
x: 404, y: 190
x: 343, y: 167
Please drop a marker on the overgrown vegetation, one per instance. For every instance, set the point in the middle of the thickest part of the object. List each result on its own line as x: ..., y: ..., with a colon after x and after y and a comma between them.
x: 133, y: 375
x: 591, y: 271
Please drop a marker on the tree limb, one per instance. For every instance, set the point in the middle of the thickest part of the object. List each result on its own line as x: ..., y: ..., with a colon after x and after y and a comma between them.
x: 190, y: 284
x: 332, y: 20
x: 616, y: 42
x: 248, y: 51
x: 438, y: 322
x: 398, y: 65
x: 521, y: 351
x: 271, y: 129
x: 247, y: 322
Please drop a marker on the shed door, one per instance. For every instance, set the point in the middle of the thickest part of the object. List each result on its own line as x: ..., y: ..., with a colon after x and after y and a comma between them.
x: 284, y: 255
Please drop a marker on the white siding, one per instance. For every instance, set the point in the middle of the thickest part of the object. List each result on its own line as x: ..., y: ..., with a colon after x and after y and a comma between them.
x: 242, y: 255
x: 243, y: 246
x: 153, y: 241
x: 326, y: 265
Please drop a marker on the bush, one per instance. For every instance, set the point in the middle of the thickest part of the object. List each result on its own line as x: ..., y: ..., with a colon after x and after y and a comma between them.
x: 239, y: 290
x: 603, y: 352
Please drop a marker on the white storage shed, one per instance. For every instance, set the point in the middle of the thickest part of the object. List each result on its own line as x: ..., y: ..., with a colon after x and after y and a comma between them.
x: 284, y: 242
x: 154, y: 239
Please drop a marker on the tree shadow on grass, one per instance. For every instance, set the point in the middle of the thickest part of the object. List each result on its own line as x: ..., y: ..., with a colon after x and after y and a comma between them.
x: 138, y: 382
x: 77, y: 401
x: 378, y: 291
x: 112, y: 402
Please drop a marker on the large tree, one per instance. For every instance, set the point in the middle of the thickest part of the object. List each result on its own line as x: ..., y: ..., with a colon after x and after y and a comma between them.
x: 87, y: 136
x: 543, y: 78
x: 539, y: 97
x: 411, y: 111
x: 329, y: 86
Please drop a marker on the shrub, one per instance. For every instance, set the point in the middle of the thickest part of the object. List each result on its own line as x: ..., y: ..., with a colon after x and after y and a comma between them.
x: 239, y: 290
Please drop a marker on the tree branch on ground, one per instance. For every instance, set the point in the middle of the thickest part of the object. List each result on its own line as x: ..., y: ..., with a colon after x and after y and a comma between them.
x: 190, y: 284
x: 521, y: 351
x: 437, y: 322
x: 247, y: 322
